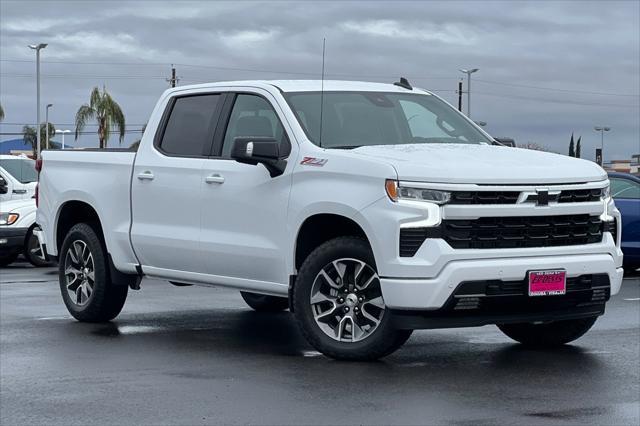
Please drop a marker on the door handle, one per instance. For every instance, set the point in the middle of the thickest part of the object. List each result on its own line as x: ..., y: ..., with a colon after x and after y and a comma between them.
x: 215, y: 178
x: 145, y: 176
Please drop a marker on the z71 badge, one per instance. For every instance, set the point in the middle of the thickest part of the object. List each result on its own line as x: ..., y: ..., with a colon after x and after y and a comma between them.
x: 313, y: 161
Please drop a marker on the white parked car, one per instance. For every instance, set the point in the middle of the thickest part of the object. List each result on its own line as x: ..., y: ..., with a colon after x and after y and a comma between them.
x: 18, y: 178
x: 17, y: 226
x: 367, y: 209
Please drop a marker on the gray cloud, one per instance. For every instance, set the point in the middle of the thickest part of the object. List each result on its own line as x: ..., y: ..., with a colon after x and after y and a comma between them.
x: 572, y: 46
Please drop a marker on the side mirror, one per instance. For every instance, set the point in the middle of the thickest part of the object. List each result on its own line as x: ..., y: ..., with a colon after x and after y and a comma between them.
x: 3, y: 186
x: 259, y: 150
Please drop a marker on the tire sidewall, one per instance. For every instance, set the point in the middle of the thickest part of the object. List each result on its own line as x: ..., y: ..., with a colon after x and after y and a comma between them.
x: 86, y: 234
x: 35, y: 261
x: 347, y: 247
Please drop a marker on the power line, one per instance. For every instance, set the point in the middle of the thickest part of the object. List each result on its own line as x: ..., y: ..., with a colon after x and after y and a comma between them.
x: 555, y: 89
x: 61, y: 124
x: 266, y: 71
x: 419, y: 78
x: 80, y: 133
x: 124, y: 77
x: 557, y: 101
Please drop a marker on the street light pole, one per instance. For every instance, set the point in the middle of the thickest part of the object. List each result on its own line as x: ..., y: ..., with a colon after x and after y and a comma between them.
x: 46, y: 125
x: 602, y: 129
x: 63, y: 132
x: 37, y: 48
x: 468, y: 73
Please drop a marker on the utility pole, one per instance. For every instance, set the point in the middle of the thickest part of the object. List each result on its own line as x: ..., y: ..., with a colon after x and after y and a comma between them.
x: 468, y: 73
x: 173, y: 80
x: 460, y: 95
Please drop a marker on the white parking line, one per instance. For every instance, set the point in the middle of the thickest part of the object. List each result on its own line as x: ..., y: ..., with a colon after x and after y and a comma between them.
x: 634, y: 299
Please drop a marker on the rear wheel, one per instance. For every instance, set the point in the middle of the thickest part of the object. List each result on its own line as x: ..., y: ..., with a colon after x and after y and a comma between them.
x: 264, y: 303
x: 549, y: 334
x: 32, y: 249
x: 84, y: 277
x: 339, y: 305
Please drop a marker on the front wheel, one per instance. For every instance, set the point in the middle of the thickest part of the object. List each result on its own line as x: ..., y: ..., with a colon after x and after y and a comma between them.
x: 84, y: 277
x: 339, y: 305
x: 264, y: 303
x: 32, y: 249
x: 548, y: 334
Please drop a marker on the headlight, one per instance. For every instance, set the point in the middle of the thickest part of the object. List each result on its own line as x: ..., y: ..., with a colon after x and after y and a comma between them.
x: 8, y: 218
x: 397, y: 192
x: 606, y: 192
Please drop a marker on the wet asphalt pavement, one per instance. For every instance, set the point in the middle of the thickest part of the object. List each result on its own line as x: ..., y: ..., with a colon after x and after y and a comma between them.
x: 194, y: 355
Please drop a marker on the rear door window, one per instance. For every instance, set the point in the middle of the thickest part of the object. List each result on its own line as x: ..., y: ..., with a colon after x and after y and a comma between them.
x: 189, y: 129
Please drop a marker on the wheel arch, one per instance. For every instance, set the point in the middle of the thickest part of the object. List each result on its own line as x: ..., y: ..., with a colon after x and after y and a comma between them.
x: 73, y: 212
x: 320, y: 228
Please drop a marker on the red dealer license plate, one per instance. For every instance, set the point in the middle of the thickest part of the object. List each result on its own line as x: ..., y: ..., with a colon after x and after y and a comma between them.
x: 547, y: 283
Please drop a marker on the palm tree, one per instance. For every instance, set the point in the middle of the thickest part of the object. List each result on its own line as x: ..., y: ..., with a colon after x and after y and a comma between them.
x: 1, y: 113
x: 105, y: 111
x: 29, y: 136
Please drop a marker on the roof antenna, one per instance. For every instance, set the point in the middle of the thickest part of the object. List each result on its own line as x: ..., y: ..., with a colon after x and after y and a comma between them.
x: 403, y: 83
x: 324, y: 41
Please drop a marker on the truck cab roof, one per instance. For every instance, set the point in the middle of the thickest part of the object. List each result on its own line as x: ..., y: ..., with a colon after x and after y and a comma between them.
x: 308, y: 86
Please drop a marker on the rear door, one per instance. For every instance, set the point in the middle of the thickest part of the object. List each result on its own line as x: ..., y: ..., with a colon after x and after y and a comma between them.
x: 167, y: 183
x: 244, y: 210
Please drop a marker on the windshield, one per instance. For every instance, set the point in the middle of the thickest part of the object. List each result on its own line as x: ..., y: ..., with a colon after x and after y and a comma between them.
x: 353, y: 119
x: 22, y: 169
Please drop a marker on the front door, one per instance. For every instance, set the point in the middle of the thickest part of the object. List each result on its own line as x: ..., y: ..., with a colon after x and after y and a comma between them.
x: 244, y: 210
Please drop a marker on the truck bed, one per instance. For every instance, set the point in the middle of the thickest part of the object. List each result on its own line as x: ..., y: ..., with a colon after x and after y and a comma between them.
x: 100, y: 178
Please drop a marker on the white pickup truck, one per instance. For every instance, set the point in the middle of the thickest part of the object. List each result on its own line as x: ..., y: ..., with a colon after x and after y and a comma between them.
x: 368, y: 210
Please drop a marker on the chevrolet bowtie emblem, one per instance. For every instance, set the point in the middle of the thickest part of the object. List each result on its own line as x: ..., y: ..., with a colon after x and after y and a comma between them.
x: 543, y: 197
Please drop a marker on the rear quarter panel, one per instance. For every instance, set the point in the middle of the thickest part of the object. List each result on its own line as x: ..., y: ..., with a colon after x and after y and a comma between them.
x: 101, y: 179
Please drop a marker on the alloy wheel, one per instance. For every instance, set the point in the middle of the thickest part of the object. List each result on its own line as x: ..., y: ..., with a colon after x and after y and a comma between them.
x: 346, y: 300
x: 79, y: 271
x: 35, y: 250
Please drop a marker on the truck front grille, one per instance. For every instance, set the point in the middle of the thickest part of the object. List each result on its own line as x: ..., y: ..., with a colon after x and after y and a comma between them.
x: 520, y: 232
x: 484, y: 197
x: 511, y: 197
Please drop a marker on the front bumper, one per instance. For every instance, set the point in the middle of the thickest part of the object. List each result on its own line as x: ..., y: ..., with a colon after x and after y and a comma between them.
x: 433, y: 293
x: 12, y: 239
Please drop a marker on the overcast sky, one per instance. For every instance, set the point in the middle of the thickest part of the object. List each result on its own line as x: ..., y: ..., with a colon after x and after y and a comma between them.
x: 547, y: 69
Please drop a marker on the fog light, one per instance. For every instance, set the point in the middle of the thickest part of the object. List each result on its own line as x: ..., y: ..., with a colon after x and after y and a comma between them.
x: 3, y: 241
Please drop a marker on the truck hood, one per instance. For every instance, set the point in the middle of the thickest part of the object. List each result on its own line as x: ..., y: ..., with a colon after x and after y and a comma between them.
x: 482, y: 164
x: 13, y: 205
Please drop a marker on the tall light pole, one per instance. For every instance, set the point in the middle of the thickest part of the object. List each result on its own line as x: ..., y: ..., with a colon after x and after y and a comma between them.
x: 46, y: 125
x: 601, y: 129
x: 37, y: 48
x: 63, y: 132
x: 468, y: 73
